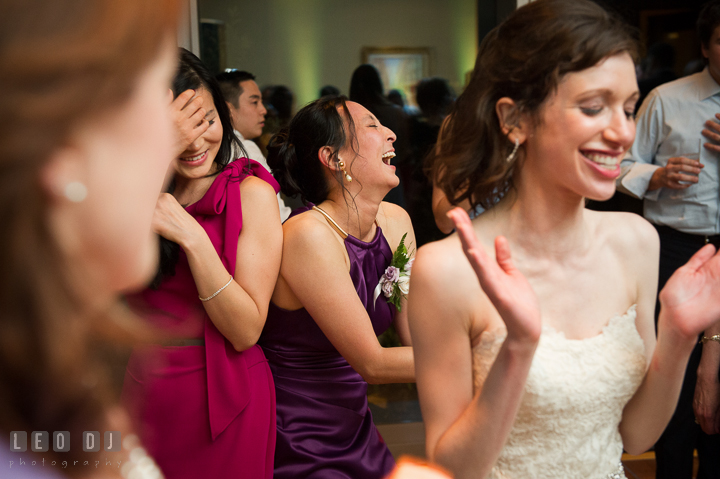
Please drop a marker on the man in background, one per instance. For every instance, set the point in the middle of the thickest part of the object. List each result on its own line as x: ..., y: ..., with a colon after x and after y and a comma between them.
x: 248, y: 115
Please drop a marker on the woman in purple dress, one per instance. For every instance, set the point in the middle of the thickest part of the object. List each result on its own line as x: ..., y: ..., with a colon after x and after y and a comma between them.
x: 321, y: 334
x: 205, y: 398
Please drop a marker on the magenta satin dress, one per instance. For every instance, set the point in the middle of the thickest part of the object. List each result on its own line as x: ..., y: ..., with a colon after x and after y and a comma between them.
x: 203, y: 411
x: 324, y: 426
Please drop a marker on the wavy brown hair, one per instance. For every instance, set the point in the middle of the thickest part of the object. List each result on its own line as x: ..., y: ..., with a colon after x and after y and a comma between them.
x: 524, y: 58
x: 63, y: 62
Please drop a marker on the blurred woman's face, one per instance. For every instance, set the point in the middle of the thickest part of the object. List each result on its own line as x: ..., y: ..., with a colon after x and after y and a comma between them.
x: 125, y: 155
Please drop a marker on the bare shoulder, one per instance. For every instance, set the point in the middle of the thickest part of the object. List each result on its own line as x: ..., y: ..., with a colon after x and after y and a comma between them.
x: 444, y: 264
x: 445, y: 292
x: 309, y: 233
x: 629, y: 234
x: 255, y: 188
x: 395, y: 222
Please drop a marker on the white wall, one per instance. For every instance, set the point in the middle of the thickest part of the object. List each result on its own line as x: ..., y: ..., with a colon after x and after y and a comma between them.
x: 306, y: 44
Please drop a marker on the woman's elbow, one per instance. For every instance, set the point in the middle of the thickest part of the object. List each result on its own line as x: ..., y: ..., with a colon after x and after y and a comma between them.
x: 370, y: 376
x: 245, y: 340
x: 637, y: 450
x: 371, y: 370
x: 636, y: 446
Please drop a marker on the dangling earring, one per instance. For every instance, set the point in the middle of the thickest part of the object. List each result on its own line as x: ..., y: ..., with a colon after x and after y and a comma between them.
x: 75, y: 192
x: 341, y: 165
x: 511, y: 156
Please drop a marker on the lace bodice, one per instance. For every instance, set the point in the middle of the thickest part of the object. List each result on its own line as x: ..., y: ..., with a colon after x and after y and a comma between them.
x: 567, y: 424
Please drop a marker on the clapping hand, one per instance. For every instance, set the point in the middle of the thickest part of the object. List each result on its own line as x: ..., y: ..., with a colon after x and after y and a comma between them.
x: 690, y: 299
x: 505, y: 285
x: 189, y: 119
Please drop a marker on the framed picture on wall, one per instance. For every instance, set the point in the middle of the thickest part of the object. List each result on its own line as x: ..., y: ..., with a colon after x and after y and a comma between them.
x: 400, y: 68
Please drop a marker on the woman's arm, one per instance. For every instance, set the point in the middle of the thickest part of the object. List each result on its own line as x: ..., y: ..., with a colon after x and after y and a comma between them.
x: 689, y: 304
x: 466, y: 431
x: 315, y: 268
x: 240, y: 310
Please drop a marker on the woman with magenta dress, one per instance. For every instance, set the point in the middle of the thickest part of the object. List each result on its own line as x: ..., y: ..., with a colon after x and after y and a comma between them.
x: 204, y: 398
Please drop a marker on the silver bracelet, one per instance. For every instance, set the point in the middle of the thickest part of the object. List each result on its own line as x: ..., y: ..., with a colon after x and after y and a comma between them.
x: 216, y: 292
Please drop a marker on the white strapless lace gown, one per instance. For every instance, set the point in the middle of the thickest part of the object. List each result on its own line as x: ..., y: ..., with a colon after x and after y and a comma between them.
x: 567, y: 424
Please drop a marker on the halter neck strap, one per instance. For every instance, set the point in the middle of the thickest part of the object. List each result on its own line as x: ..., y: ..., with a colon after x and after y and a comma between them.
x: 331, y: 222
x: 334, y: 225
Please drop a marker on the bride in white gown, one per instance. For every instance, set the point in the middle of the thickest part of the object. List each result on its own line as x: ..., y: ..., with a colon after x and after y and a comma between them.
x: 546, y: 364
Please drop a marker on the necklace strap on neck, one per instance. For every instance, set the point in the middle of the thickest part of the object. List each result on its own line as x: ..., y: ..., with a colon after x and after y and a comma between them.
x: 331, y: 222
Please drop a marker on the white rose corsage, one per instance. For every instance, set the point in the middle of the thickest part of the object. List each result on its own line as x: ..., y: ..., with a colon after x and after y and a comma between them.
x: 394, y: 283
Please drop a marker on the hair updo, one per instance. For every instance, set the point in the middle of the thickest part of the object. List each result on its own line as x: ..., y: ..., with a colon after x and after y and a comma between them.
x: 524, y: 58
x: 293, y: 151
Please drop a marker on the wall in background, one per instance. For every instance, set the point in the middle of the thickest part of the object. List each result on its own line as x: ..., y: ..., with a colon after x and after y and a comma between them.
x: 306, y: 44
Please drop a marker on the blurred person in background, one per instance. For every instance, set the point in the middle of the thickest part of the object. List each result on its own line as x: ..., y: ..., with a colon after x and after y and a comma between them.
x: 329, y: 90
x: 435, y: 98
x: 279, y: 101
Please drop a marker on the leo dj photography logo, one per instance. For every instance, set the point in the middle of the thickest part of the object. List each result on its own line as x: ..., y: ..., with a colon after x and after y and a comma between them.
x: 40, y: 441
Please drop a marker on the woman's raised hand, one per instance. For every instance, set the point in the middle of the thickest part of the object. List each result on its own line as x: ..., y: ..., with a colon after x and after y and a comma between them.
x: 690, y: 300
x: 172, y: 222
x: 188, y: 116
x: 505, y: 285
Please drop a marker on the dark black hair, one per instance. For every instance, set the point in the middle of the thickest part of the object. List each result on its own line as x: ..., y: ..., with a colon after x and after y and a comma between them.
x: 192, y: 74
x: 434, y: 96
x: 230, y: 81
x: 708, y: 21
x: 293, y: 151
x: 366, y: 87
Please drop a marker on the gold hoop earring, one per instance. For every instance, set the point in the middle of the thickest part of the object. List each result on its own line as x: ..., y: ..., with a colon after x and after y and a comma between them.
x: 341, y: 165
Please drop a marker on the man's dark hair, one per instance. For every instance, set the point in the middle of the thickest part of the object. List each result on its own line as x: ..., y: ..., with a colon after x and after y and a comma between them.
x: 230, y: 84
x: 708, y: 21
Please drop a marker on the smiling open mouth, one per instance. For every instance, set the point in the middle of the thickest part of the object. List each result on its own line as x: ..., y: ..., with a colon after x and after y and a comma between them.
x: 604, y: 161
x: 190, y: 159
x: 388, y: 156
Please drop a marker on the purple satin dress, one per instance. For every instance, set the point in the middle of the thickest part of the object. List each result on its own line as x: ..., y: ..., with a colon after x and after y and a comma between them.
x: 324, y: 425
x: 203, y: 411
